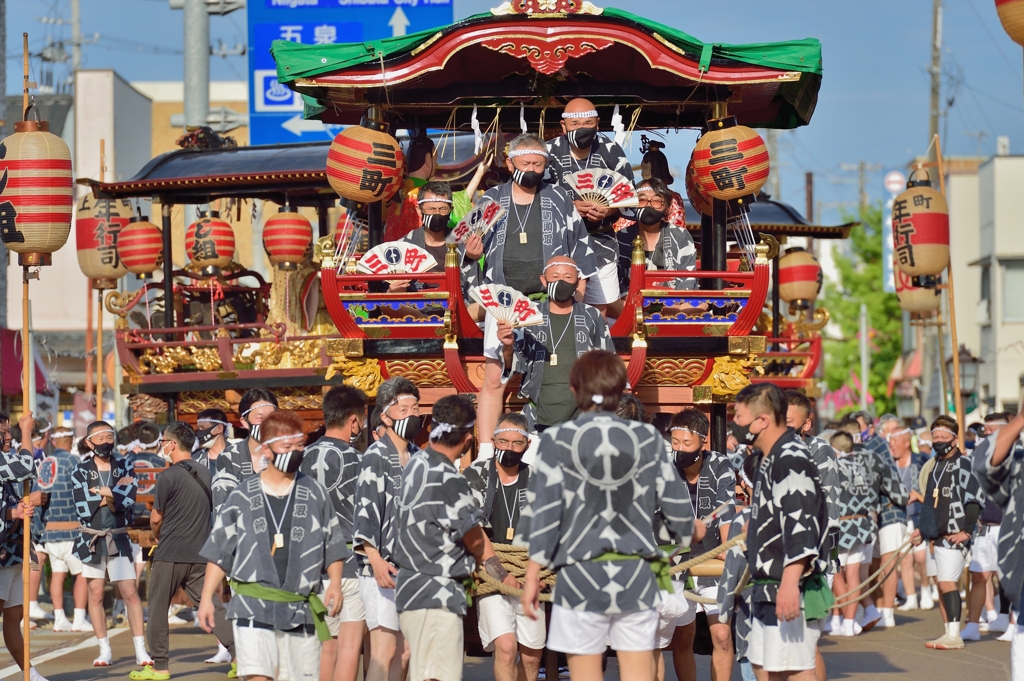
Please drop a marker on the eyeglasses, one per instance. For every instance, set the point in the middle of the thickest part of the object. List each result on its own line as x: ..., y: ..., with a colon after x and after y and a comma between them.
x: 658, y: 203
x: 442, y: 209
x: 509, y: 444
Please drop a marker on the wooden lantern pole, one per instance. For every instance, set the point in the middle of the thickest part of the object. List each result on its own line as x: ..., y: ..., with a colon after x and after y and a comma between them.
x: 99, y: 318
x: 26, y: 368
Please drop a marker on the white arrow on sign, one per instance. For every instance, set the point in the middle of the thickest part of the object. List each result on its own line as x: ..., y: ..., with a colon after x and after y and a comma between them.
x: 298, y: 125
x: 399, y: 22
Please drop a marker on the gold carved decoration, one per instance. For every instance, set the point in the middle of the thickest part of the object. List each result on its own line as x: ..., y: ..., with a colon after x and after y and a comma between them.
x: 172, y: 358
x: 147, y: 406
x: 541, y: 9
x: 429, y: 373
x: 359, y: 373
x: 195, y: 401
x: 684, y: 372
x: 820, y: 319
x: 730, y: 375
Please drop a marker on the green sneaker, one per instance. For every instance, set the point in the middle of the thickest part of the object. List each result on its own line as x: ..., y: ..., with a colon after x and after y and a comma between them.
x: 147, y: 674
x: 233, y: 672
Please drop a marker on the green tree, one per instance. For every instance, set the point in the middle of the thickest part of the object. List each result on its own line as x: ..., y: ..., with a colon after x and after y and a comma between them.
x: 860, y: 281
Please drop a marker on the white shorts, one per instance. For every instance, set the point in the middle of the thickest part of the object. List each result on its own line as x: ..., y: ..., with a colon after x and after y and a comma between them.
x: 891, y: 538
x: 674, y: 610
x: 500, y: 614
x: 276, y: 654
x: 923, y: 546
x: 436, y: 647
x: 137, y: 553
x: 378, y: 605
x: 63, y: 558
x: 708, y: 592
x: 985, y: 549
x: 119, y: 568
x: 949, y: 563
x: 578, y: 632
x: 351, y: 606
x: 785, y: 647
x: 860, y: 553
x: 930, y: 568
x: 12, y: 588
x: 603, y: 287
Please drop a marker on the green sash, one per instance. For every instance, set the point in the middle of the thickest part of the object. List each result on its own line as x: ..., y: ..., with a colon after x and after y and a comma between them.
x: 659, y: 566
x: 267, y: 593
x: 818, y: 598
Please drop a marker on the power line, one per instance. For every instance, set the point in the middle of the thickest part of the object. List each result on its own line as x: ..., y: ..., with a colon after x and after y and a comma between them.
x: 970, y: 3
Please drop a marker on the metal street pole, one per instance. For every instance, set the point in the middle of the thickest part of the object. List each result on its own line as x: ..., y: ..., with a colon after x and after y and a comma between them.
x: 197, y: 63
x: 865, y: 359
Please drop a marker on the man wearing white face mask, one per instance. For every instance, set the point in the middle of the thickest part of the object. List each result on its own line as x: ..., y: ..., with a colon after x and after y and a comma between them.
x: 243, y: 458
x: 378, y: 488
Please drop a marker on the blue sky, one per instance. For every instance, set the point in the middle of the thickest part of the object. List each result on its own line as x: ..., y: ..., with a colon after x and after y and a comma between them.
x: 873, y: 104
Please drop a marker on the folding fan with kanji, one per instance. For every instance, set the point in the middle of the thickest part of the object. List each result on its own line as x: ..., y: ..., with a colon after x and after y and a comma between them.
x: 396, y: 257
x: 481, y: 219
x: 507, y: 304
x: 603, y: 187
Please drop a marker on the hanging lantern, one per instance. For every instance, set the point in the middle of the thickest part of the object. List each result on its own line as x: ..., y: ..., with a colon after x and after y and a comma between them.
x: 365, y: 164
x: 730, y: 161
x: 915, y: 299
x: 288, y: 239
x: 920, y: 232
x: 700, y: 200
x: 140, y: 246
x: 98, y: 224
x: 210, y: 243
x: 1011, y: 14
x: 35, y: 192
x: 799, y: 279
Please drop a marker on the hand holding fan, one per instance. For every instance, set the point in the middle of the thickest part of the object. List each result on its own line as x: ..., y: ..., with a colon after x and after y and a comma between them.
x: 485, y: 214
x: 396, y: 257
x: 603, y: 187
x: 507, y: 305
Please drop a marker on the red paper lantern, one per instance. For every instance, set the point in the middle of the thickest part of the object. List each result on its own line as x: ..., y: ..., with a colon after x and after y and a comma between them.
x: 915, y: 299
x: 98, y: 224
x: 1011, y: 14
x: 287, y: 239
x: 140, y: 246
x: 799, y: 278
x: 365, y: 164
x: 730, y: 161
x: 36, y: 194
x: 698, y: 198
x: 210, y: 243
x: 920, y: 230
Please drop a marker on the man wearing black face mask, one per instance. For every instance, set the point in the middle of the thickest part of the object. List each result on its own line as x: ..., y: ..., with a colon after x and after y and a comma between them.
x: 580, y: 147
x: 334, y: 462
x: 499, y: 485
x: 545, y: 353
x: 242, y: 458
x: 211, y: 437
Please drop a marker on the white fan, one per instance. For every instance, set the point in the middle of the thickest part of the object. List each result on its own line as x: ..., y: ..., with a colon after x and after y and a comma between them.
x: 603, y: 187
x: 507, y: 304
x: 485, y: 214
x: 396, y: 257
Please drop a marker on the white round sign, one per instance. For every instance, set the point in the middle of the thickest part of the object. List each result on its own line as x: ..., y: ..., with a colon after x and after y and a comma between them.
x: 895, y: 182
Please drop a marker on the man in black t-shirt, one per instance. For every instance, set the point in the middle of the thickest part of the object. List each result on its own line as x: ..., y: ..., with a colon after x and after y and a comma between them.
x: 180, y: 520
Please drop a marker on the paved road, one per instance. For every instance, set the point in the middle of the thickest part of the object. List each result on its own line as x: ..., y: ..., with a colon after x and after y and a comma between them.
x: 898, y: 652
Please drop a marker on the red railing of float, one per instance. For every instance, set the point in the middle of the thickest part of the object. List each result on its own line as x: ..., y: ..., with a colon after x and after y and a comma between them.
x: 800, y: 350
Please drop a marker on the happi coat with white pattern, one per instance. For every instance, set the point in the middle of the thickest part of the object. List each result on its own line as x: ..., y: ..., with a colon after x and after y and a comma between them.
x: 1004, y: 486
x: 16, y: 466
x: 377, y: 489
x: 87, y: 504
x: 334, y: 464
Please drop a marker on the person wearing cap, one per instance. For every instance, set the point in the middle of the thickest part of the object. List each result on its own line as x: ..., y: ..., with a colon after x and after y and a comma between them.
x: 59, y: 521
x: 211, y: 437
x: 104, y: 488
x: 711, y: 484
x: 908, y: 467
x: 545, y: 354
x: 180, y: 521
x: 380, y: 482
x: 439, y: 545
x: 334, y: 462
x: 242, y: 458
x: 615, y: 474
x: 499, y: 485
x: 952, y: 504
x: 274, y: 538
x: 579, y: 147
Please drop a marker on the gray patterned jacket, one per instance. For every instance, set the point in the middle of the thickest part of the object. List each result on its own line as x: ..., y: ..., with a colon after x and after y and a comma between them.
x: 240, y: 544
x: 1004, y: 486
x: 436, y: 510
x: 597, y: 485
x: 679, y: 254
x: 824, y: 458
x: 377, y: 488
x: 15, y: 467
x: 87, y: 504
x: 482, y: 476
x: 233, y: 465
x: 335, y: 465
x: 731, y: 605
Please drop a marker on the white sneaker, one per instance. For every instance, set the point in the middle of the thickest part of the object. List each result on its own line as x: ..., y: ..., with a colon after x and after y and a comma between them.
x: 846, y: 629
x: 871, y: 618
x: 927, y: 602
x: 105, y: 659
x: 37, y: 613
x: 60, y: 622
x: 910, y: 604
x: 1007, y: 636
x: 82, y: 626
x: 946, y: 642
x: 983, y: 625
x: 888, y: 620
x: 970, y: 632
x: 33, y: 675
x: 1000, y: 623
x: 990, y: 615
x: 174, y: 619
x: 222, y: 656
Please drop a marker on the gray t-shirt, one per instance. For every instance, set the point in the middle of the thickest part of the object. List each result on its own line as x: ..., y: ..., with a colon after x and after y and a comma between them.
x: 186, y: 507
x: 524, y: 263
x: 556, y: 403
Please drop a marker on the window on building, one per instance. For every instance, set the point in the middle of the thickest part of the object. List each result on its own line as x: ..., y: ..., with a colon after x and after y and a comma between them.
x: 1013, y: 284
x: 1011, y: 407
x: 986, y: 282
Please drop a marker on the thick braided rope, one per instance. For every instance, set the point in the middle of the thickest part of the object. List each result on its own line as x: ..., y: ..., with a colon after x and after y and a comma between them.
x: 887, y: 568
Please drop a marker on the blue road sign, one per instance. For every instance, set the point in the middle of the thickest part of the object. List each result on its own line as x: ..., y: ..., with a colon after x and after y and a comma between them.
x: 275, y: 112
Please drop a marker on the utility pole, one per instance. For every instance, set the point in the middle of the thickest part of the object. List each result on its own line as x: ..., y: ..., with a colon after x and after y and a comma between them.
x: 862, y: 180
x: 936, y: 73
x: 197, y: 63
x: 773, y: 158
x: 865, y: 359
x: 809, y: 197
x: 76, y: 38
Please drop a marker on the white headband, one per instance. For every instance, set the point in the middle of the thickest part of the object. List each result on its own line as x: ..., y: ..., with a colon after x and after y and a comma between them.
x: 396, y: 400
x: 442, y: 428
x: 897, y: 432
x: 216, y: 421
x: 272, y: 440
x: 512, y: 430
x: 746, y: 480
x: 597, y: 399
x: 567, y: 264
x: 644, y: 188
x: 527, y: 152
x: 127, y: 447
x: 99, y: 432
x: 63, y: 432
x: 996, y: 423
x: 422, y: 201
x: 257, y: 406
x: 684, y: 428
x: 581, y: 114
x: 43, y: 431
x: 944, y: 429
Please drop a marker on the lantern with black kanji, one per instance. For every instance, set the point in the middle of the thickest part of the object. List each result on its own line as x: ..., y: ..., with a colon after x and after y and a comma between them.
x: 365, y: 164
x: 920, y: 231
x: 98, y: 225
x: 915, y: 299
x: 730, y: 161
x: 1011, y: 14
x: 287, y: 239
x: 799, y: 279
x: 36, y: 196
x: 210, y: 243
x: 700, y: 200
x: 140, y: 246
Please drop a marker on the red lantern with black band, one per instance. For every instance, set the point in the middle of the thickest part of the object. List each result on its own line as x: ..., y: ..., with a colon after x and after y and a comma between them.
x: 140, y: 246
x: 287, y: 239
x: 210, y: 243
x: 698, y: 198
x: 365, y: 164
x: 730, y: 161
x: 98, y: 225
x: 920, y: 231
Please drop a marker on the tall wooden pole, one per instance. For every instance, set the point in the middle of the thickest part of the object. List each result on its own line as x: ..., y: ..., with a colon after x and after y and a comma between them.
x: 26, y: 376
x: 99, y: 318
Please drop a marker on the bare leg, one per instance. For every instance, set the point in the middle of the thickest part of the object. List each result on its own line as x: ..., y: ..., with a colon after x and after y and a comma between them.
x: 96, y: 611
x: 852, y: 574
x: 35, y: 578
x: 682, y: 652
x: 132, y: 605
x: 588, y: 667
x: 506, y: 648
x: 328, y: 659
x: 819, y: 666
x: 383, y: 644
x: 633, y: 666
x: 891, y: 582
x: 12, y: 633
x: 57, y: 591
x: 907, y: 574
x: 976, y: 598
x: 529, y: 663
x: 350, y: 645
x: 806, y: 675
x: 722, y: 653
